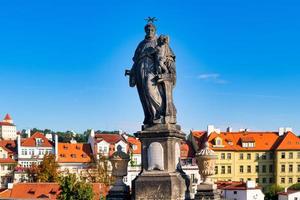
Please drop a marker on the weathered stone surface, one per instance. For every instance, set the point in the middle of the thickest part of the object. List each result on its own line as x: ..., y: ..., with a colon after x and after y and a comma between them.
x: 207, y: 195
x: 155, y: 156
x: 159, y: 186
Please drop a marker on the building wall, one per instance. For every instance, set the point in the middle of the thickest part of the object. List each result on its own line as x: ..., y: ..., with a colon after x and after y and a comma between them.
x: 247, y: 160
x: 8, y: 132
x: 287, y: 176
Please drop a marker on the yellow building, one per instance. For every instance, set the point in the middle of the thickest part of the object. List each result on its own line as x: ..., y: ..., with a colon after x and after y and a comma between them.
x: 264, y: 157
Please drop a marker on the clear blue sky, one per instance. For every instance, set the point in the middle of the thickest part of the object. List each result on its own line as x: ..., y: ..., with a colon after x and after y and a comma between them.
x: 62, y: 62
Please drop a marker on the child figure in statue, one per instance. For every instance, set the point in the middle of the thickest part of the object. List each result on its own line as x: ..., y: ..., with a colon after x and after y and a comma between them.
x: 162, y: 52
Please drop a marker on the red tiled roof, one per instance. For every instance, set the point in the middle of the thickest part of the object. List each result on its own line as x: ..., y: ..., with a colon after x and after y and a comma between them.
x: 44, y: 191
x: 31, y: 142
x: 134, y: 141
x: 74, y: 153
x: 288, y: 192
x: 233, y: 185
x: 264, y: 141
x: 109, y: 138
x: 6, y: 124
x: 7, y: 117
x: 289, y: 141
x: 7, y: 160
x: 9, y: 145
x: 186, y: 150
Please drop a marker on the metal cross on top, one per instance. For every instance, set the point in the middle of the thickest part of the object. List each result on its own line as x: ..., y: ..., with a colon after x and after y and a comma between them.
x: 151, y: 19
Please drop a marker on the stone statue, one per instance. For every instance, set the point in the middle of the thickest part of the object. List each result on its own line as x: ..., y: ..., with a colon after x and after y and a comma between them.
x: 154, y: 75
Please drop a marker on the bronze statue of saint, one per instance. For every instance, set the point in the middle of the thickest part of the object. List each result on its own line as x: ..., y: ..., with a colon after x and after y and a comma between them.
x: 154, y: 75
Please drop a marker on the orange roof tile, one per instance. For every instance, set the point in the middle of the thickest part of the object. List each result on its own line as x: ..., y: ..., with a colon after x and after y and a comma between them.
x: 186, y: 150
x: 289, y: 142
x: 9, y: 145
x: 44, y: 191
x: 31, y: 142
x: 134, y: 141
x: 7, y: 160
x: 74, y: 153
x: 108, y: 137
x: 264, y: 141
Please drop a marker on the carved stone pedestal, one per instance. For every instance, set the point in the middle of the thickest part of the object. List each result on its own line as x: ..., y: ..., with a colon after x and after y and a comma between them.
x: 207, y: 192
x: 160, y: 156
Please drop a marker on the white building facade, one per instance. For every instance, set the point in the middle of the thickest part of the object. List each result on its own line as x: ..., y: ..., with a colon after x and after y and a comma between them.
x: 8, y: 130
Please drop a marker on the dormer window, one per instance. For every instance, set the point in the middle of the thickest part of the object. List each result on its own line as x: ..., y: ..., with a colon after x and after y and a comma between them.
x: 248, y: 142
x: 218, y: 142
x: 38, y: 141
x: 77, y: 147
x: 65, y: 147
x: 73, y: 155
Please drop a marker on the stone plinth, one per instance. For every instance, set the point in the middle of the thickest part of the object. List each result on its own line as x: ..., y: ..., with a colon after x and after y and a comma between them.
x: 159, y: 178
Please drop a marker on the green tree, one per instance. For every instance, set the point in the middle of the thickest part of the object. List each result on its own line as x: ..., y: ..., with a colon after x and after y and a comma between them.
x: 98, y: 171
x: 73, y: 189
x: 46, y: 171
x: 295, y: 186
x: 271, y: 192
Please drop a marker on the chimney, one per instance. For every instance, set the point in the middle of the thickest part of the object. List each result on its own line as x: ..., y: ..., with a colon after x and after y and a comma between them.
x: 285, y: 189
x: 210, y: 129
x: 92, y: 133
x: 250, y: 184
x: 229, y: 129
x: 28, y: 132
x: 10, y: 186
x: 281, y: 131
x: 56, y: 146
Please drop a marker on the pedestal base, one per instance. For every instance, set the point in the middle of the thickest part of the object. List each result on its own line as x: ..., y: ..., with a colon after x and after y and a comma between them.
x: 159, y: 179
x: 207, y: 192
x: 159, y: 187
x: 119, y: 193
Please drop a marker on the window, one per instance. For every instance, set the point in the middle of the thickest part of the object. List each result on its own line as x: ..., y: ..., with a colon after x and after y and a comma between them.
x: 264, y: 169
x: 291, y: 155
x: 257, y: 156
x: 264, y: 180
x: 271, y: 168
x: 298, y: 180
x: 248, y: 156
x: 223, y: 170
x: 241, y: 156
x: 282, y: 168
x: 256, y: 168
x: 264, y: 156
x: 290, y: 180
x: 229, y: 170
x: 216, y: 169
x: 234, y: 192
x: 105, y: 150
x: 241, y: 169
x: 298, y: 155
x: 298, y: 168
x: 257, y: 180
x: 283, y: 155
x: 282, y: 180
x: 223, y: 156
x: 229, y: 156
x: 248, y: 169
x: 290, y: 168
x: 270, y: 180
x: 218, y: 142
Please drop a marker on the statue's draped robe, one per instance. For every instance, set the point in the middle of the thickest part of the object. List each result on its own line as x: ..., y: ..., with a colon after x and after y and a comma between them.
x: 144, y: 72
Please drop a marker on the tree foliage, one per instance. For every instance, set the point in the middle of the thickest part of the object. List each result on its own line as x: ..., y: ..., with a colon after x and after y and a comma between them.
x: 271, y: 192
x: 98, y: 172
x: 46, y: 171
x: 295, y: 186
x: 73, y: 189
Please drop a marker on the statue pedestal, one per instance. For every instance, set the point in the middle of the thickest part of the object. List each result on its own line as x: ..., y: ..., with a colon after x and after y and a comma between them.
x: 207, y: 192
x: 160, y: 156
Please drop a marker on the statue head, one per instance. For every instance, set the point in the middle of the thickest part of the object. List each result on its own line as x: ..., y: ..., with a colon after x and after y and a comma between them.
x: 150, y: 30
